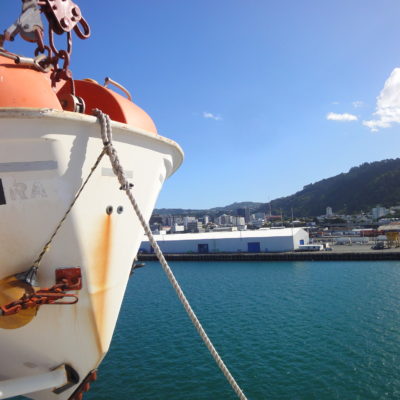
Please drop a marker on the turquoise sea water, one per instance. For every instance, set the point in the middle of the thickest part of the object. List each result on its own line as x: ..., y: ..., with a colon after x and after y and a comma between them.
x: 287, y: 330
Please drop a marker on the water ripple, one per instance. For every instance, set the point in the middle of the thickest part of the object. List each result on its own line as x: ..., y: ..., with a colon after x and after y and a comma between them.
x: 295, y: 330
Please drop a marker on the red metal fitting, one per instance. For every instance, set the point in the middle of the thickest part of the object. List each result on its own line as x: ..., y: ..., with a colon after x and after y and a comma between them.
x: 70, y: 278
x: 67, y: 279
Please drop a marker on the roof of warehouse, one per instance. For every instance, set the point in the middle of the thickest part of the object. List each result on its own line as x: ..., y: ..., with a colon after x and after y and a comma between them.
x: 390, y: 227
x: 259, y: 233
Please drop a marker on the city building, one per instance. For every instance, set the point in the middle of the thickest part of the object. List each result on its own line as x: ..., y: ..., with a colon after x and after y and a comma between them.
x: 258, y: 241
x: 378, y: 212
x: 224, y: 219
x: 187, y: 220
x: 175, y: 228
x: 194, y: 226
x: 245, y: 213
x: 238, y: 221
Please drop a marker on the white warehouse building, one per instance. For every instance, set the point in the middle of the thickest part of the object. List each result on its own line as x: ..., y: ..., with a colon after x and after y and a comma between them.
x: 257, y: 241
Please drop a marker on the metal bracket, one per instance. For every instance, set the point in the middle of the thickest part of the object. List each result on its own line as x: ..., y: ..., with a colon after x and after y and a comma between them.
x: 66, y: 16
x: 29, y: 276
x: 29, y: 24
x: 72, y: 379
x: 84, y: 386
x: 62, y: 377
x: 70, y: 277
x: 72, y: 103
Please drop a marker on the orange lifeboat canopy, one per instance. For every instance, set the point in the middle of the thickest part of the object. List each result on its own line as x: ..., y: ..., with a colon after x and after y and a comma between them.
x: 21, y: 86
x: 25, y: 87
x: 116, y: 106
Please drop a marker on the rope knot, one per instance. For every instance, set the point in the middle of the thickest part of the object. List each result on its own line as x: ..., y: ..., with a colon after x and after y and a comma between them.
x: 127, y: 186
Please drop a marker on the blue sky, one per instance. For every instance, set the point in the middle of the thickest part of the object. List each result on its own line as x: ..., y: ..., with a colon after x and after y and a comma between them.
x: 263, y: 96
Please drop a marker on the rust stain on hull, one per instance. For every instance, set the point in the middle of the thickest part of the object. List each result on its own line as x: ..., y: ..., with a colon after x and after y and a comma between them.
x: 99, y: 268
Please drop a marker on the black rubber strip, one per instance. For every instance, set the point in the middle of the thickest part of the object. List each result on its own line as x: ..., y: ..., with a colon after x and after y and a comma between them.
x: 2, y: 196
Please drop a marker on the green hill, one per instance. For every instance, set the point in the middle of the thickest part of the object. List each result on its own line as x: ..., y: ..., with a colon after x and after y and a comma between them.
x: 360, y: 189
x: 230, y: 209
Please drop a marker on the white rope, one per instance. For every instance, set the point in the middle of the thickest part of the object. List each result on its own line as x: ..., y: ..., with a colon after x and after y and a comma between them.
x: 106, y: 135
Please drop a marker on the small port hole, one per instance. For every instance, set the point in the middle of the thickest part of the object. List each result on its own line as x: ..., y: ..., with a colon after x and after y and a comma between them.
x: 109, y: 210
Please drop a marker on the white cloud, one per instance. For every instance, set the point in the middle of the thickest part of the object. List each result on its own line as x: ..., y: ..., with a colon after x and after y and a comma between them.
x: 387, y: 104
x: 341, y: 117
x: 209, y: 115
x: 335, y: 103
x: 358, y: 104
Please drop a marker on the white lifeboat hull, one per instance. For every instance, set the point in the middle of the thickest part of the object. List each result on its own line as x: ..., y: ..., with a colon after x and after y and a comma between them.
x: 44, y: 157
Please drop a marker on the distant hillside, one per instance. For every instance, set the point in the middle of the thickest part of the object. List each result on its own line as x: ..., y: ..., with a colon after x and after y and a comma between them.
x: 234, y: 206
x: 360, y: 189
x: 211, y: 211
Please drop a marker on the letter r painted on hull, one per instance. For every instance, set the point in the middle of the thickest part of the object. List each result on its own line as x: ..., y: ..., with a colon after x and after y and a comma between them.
x: 18, y: 191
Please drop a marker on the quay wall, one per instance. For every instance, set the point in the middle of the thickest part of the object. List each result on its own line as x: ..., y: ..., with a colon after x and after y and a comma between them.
x: 289, y: 256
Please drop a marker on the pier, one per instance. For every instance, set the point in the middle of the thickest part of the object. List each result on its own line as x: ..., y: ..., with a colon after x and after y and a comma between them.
x: 339, y: 253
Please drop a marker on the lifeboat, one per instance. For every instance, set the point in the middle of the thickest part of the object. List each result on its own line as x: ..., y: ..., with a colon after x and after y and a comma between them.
x: 51, y: 346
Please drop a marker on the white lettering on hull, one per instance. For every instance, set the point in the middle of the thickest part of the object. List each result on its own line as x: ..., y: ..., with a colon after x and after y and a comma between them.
x: 26, y: 191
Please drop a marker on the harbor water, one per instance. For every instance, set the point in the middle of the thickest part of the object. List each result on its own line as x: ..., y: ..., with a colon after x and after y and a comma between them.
x: 286, y: 330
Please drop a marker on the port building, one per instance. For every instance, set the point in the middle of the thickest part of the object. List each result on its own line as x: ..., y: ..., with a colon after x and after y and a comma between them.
x: 252, y: 241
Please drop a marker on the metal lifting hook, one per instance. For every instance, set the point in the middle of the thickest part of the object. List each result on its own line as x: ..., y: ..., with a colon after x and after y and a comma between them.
x: 29, y: 24
x: 63, y: 16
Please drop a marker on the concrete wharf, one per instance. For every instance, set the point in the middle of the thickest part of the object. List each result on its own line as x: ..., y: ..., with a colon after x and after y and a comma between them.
x: 338, y: 253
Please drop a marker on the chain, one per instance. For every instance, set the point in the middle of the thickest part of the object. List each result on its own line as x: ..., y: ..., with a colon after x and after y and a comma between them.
x: 63, y: 16
x: 50, y: 296
x: 57, y: 56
